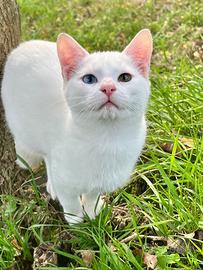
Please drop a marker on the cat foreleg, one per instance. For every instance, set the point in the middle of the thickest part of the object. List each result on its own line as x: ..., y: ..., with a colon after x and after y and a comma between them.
x: 72, y: 208
x: 92, y: 203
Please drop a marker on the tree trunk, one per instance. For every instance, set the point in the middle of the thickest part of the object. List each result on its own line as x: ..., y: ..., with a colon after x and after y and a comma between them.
x: 9, y: 39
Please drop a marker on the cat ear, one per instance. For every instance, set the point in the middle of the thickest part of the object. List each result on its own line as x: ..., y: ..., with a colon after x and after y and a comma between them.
x: 140, y: 51
x: 70, y: 53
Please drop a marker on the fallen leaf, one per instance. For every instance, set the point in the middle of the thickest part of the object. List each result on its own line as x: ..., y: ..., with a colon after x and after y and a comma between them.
x: 87, y: 256
x: 16, y: 244
x: 150, y: 260
x: 187, y: 142
x: 44, y: 256
x: 168, y: 147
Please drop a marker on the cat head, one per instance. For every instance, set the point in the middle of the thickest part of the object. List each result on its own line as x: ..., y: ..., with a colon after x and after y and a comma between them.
x: 106, y: 85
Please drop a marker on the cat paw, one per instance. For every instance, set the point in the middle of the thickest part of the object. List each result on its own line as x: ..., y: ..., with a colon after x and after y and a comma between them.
x: 71, y: 219
x: 92, y: 209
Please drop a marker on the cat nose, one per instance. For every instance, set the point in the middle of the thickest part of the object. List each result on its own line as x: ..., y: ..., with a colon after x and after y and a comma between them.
x: 108, y: 88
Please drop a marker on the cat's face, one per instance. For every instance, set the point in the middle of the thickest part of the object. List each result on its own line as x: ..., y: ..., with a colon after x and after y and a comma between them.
x: 105, y: 85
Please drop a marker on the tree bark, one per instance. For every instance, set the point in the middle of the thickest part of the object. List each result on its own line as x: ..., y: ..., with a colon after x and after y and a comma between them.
x: 9, y: 39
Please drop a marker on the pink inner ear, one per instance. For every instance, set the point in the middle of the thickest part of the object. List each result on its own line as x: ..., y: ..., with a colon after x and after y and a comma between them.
x: 70, y: 53
x: 140, y: 50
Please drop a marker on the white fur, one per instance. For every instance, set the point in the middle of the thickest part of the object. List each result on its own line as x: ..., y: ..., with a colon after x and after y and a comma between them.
x: 87, y: 151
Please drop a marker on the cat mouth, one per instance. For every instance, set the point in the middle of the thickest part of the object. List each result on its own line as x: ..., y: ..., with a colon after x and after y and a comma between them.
x: 108, y: 105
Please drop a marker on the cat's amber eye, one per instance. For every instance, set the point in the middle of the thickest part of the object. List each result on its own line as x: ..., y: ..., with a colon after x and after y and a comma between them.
x: 124, y: 77
x: 89, y: 79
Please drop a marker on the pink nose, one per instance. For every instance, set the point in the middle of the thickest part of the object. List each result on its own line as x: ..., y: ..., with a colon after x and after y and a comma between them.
x: 108, y: 88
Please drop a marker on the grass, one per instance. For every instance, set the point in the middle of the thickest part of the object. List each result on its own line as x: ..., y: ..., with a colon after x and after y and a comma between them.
x: 162, y: 215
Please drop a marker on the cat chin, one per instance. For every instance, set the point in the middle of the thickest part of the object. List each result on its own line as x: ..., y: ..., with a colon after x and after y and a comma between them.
x: 112, y: 114
x: 108, y: 114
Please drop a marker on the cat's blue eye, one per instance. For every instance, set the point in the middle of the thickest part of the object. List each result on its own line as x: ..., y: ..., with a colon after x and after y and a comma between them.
x: 125, y: 77
x: 89, y: 79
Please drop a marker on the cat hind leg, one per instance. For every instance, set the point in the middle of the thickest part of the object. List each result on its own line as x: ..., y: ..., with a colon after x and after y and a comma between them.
x: 25, y: 156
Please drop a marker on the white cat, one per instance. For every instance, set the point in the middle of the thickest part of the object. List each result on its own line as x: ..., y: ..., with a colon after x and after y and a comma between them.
x: 87, y: 125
